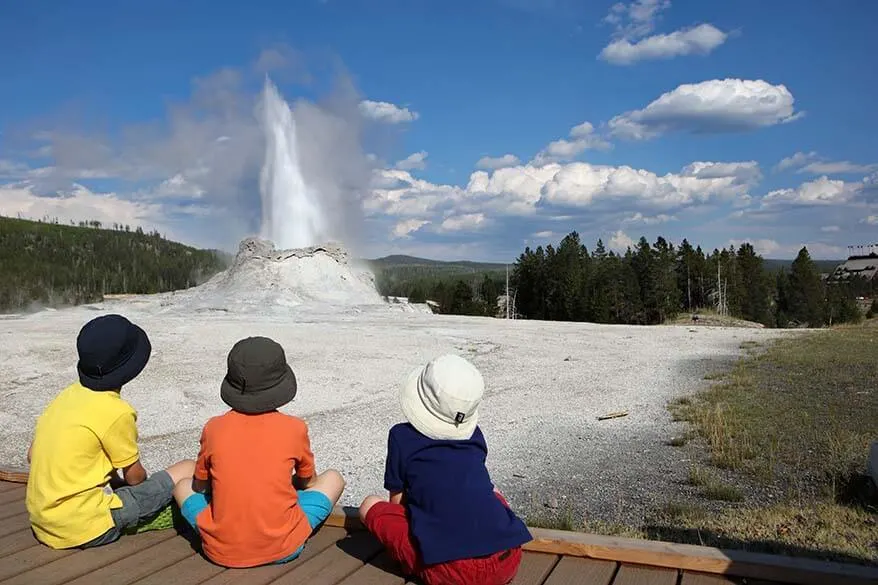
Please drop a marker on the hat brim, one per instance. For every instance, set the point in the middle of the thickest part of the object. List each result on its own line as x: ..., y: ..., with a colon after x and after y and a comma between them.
x: 125, y: 372
x: 425, y: 422
x: 264, y: 401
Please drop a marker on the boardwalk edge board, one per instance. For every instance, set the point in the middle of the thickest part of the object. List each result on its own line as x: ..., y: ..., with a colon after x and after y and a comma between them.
x: 785, y: 569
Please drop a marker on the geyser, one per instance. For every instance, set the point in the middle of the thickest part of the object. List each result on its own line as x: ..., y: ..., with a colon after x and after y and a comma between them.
x: 292, y: 212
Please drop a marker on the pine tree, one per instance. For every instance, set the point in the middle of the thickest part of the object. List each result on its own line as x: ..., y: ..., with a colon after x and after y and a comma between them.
x: 806, y: 291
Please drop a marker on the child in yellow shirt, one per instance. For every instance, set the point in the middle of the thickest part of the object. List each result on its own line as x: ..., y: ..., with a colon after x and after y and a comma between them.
x: 87, y: 433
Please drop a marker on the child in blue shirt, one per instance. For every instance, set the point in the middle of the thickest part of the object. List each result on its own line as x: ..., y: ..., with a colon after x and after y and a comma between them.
x: 445, y: 522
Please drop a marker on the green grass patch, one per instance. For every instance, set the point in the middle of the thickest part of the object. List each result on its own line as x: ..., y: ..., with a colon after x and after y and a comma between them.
x: 804, y: 411
x: 712, y: 487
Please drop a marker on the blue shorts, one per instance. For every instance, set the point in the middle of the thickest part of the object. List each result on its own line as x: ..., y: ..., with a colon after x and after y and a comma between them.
x: 314, y: 504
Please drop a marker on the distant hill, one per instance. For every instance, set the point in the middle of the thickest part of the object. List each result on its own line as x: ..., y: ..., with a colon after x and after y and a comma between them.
x: 773, y: 265
x: 52, y: 264
x: 398, y: 274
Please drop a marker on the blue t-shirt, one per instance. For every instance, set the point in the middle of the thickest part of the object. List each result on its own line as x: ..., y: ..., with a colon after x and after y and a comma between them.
x: 449, y: 495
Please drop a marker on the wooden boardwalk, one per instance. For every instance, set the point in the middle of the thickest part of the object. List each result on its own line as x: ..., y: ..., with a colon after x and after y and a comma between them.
x: 350, y: 556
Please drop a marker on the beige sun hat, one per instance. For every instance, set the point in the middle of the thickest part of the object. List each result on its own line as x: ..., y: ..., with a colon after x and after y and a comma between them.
x: 441, y: 400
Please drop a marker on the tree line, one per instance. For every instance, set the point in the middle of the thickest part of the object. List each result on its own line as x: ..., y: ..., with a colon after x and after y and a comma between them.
x: 649, y: 283
x: 53, y: 264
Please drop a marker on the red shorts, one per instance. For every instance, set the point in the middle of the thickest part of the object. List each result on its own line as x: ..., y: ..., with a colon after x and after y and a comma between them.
x: 390, y: 525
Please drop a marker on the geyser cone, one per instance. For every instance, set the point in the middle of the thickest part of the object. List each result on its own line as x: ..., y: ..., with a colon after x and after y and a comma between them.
x: 292, y: 216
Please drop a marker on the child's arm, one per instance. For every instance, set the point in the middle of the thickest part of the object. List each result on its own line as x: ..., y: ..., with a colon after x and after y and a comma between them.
x: 134, y: 473
x: 29, y: 450
x: 306, y: 473
x: 397, y: 498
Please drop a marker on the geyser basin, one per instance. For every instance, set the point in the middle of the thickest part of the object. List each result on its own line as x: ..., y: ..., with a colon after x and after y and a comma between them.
x: 262, y: 279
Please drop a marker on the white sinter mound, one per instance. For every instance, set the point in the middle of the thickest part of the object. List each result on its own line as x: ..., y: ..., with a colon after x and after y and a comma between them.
x: 264, y: 279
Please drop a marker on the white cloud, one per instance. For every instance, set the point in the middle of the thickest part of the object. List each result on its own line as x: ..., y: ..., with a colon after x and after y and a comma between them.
x: 414, y: 161
x: 545, y: 235
x: 698, y: 40
x: 744, y: 172
x: 830, y: 229
x: 405, y: 228
x: 79, y: 204
x: 490, y: 163
x: 718, y: 105
x: 583, y: 137
x: 387, y: 112
x: 811, y: 162
x: 464, y: 222
x: 620, y: 241
x: 636, y: 18
x: 821, y: 191
x: 871, y: 220
x: 523, y: 190
x: 176, y: 186
x: 646, y: 220
x: 634, y: 21
x: 798, y: 160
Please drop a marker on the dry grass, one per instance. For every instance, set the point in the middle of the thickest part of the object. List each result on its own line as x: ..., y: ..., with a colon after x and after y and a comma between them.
x: 822, y: 530
x: 799, y: 416
x: 804, y: 411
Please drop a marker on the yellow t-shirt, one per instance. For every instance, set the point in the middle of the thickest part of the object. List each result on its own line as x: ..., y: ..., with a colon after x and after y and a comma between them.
x: 80, y: 438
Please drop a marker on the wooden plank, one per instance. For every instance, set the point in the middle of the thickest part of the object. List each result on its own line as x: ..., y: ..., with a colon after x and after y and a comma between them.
x: 16, y: 493
x: 334, y: 563
x: 534, y: 568
x: 12, y: 543
x: 705, y: 579
x: 14, y: 524
x: 580, y: 571
x: 382, y: 570
x: 13, y: 474
x: 633, y: 575
x: 140, y: 564
x: 8, y: 485
x: 11, y: 509
x: 792, y: 570
x: 30, y: 558
x: 85, y: 561
x: 189, y: 571
x: 325, y: 538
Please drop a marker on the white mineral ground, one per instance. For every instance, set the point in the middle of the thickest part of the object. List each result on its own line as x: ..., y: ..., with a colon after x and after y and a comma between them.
x: 546, y: 381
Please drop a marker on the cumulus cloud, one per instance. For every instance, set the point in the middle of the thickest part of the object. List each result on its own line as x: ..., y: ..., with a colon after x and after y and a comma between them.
x: 811, y: 162
x: 821, y: 191
x: 582, y: 137
x: 463, y: 222
x: 573, y: 189
x: 715, y: 106
x: 620, y: 241
x: 414, y: 161
x: 80, y: 204
x: 490, y: 163
x: 871, y: 220
x: 635, y: 20
x: 698, y: 40
x: 387, y: 112
x: 405, y: 228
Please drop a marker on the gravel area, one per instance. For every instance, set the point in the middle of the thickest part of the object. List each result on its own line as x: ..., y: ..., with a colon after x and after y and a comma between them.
x: 547, y: 382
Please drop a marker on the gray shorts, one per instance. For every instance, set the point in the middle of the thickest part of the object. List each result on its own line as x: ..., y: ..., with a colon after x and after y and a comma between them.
x: 139, y: 502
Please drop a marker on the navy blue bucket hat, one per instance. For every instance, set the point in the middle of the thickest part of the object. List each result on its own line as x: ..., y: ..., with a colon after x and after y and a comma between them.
x: 112, y: 352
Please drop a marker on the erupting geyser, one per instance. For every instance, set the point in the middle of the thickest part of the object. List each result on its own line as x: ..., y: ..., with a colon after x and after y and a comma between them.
x: 292, y: 213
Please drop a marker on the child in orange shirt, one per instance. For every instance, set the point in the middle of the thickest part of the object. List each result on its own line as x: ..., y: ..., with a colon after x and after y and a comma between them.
x: 242, y: 501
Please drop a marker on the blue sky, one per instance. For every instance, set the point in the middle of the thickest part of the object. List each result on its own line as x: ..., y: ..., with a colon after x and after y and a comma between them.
x: 452, y: 129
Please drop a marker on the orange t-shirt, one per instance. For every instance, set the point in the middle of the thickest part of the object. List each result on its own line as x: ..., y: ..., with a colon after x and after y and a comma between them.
x: 253, y: 517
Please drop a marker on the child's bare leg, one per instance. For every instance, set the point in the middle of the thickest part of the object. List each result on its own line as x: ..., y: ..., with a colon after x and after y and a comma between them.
x: 330, y: 483
x: 181, y: 470
x: 367, y: 505
x: 182, y: 490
